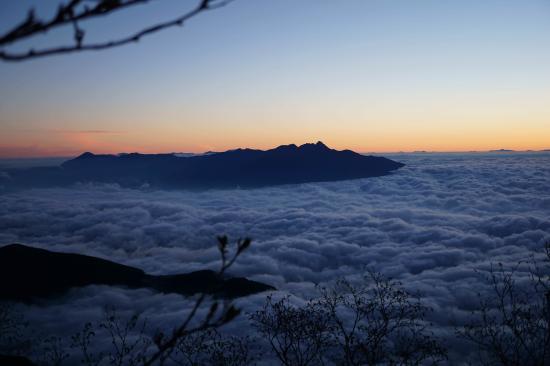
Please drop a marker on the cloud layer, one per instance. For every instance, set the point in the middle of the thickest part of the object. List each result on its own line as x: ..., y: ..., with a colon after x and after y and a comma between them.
x: 429, y: 225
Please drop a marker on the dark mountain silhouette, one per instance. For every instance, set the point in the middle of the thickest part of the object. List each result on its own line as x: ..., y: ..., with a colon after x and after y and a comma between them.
x: 9, y: 360
x: 245, y: 168
x: 27, y: 273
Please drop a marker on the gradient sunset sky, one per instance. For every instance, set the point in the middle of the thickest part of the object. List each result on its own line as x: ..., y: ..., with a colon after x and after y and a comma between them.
x: 367, y: 75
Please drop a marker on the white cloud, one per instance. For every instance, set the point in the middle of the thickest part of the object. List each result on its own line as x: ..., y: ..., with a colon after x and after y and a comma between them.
x: 430, y: 225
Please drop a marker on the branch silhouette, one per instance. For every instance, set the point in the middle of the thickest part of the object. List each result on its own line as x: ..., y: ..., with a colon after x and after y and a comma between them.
x: 76, y: 11
x: 215, y: 317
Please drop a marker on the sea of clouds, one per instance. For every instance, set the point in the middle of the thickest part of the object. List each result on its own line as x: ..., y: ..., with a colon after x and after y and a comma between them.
x: 431, y: 225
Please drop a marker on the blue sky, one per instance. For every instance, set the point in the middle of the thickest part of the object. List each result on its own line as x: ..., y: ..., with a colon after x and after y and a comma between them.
x: 368, y: 75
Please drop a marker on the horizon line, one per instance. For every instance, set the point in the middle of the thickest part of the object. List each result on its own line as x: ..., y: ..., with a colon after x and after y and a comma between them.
x: 73, y: 155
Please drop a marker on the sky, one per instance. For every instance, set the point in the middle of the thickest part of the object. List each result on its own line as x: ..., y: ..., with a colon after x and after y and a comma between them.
x: 369, y: 75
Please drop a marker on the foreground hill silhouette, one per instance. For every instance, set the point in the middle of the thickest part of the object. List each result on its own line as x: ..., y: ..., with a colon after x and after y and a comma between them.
x: 244, y: 168
x: 27, y: 273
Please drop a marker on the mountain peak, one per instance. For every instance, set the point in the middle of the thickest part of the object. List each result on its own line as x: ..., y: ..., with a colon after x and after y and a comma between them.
x: 286, y: 147
x: 85, y: 155
x: 319, y: 145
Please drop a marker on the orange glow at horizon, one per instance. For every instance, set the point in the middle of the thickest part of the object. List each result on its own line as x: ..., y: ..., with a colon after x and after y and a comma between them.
x: 376, y: 141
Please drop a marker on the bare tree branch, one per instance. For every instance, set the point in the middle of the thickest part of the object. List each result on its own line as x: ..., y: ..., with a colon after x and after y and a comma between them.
x: 214, y: 318
x: 373, y: 322
x: 512, y: 324
x: 77, y: 11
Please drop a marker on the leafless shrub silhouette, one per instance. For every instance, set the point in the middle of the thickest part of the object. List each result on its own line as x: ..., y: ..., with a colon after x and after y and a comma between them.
x: 373, y: 323
x: 130, y: 344
x: 12, y: 332
x: 512, y: 325
x: 211, y: 348
x: 297, y: 335
x: 232, y: 351
x: 82, y: 341
x: 74, y: 12
x: 192, y: 350
x: 53, y: 352
x: 378, y: 322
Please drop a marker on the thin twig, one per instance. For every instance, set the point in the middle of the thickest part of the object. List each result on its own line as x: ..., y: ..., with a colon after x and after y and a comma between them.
x: 67, y: 14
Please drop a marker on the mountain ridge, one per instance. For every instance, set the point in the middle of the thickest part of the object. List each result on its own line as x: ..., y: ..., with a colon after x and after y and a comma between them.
x: 29, y: 273
x: 237, y: 168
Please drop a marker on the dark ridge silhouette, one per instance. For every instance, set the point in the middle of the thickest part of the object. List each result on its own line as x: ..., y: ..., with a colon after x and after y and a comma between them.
x: 27, y: 273
x: 246, y: 168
